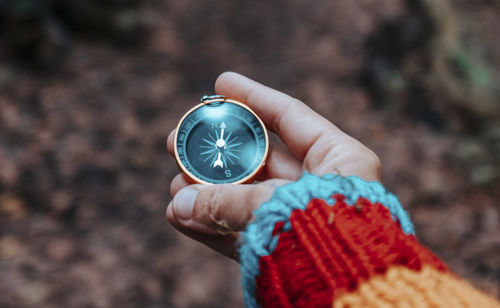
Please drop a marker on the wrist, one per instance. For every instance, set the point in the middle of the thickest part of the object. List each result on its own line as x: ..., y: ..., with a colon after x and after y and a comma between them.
x: 328, y: 217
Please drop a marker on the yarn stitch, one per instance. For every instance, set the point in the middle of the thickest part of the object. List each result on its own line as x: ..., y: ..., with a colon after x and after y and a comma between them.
x: 258, y: 239
x: 332, y: 250
x: 403, y: 287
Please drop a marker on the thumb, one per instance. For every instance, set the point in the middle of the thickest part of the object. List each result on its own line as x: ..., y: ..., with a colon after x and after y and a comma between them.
x: 218, y: 209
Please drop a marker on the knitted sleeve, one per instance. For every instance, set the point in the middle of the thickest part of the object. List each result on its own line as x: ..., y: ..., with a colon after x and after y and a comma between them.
x: 343, y: 242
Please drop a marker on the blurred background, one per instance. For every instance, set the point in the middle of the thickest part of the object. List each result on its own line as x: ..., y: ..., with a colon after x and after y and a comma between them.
x: 89, y: 90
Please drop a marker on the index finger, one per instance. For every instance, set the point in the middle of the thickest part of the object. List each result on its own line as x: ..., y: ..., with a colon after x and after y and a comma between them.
x: 296, y: 123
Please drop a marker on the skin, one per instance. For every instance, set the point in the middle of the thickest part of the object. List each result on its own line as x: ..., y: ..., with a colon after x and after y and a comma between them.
x: 215, y: 214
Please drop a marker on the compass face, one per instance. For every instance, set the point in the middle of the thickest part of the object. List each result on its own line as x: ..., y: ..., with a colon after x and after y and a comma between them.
x: 221, y: 142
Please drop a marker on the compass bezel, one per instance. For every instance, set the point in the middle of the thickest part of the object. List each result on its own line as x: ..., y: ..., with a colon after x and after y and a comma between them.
x: 196, y: 180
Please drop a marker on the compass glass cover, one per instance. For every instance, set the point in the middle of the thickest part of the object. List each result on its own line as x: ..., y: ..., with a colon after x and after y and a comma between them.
x: 221, y: 142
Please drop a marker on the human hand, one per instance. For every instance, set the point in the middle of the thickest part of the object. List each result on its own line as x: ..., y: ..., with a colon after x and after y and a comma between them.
x: 215, y: 214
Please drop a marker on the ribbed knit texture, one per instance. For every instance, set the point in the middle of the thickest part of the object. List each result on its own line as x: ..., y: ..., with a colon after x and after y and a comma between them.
x: 332, y: 249
x: 259, y: 240
x: 350, y: 248
x: 427, y: 288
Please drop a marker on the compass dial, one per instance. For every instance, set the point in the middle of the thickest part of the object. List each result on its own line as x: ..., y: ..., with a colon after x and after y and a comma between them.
x: 221, y: 141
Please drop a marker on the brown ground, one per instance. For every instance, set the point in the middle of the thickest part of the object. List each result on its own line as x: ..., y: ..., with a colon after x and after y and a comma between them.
x: 84, y: 173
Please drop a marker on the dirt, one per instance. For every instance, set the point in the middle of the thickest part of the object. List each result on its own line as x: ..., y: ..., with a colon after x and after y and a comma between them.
x: 84, y: 171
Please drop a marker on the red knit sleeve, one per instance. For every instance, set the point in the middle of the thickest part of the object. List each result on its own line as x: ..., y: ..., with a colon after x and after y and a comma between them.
x: 343, y: 242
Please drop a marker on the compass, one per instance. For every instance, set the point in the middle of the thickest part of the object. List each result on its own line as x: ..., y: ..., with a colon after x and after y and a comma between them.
x: 221, y: 141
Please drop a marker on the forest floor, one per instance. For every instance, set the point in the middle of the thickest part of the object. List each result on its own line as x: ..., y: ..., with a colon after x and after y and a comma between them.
x: 84, y: 171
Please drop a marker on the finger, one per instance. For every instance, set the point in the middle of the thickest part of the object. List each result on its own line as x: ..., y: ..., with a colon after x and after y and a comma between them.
x: 297, y: 125
x: 170, y: 143
x: 220, y: 209
x: 225, y: 244
x: 178, y: 183
x: 282, y: 165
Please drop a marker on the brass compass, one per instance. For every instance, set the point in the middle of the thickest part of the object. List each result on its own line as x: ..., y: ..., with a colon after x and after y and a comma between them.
x: 221, y: 141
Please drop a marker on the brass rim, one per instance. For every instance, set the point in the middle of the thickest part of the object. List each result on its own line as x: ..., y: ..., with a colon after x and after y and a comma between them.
x: 200, y: 181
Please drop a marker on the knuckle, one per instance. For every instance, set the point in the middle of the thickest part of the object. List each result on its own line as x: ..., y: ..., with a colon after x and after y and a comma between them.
x: 213, y: 201
x: 374, y: 160
x: 373, y: 163
x: 369, y: 162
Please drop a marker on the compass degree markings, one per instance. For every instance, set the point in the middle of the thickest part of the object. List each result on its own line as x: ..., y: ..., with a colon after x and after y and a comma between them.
x: 214, y: 132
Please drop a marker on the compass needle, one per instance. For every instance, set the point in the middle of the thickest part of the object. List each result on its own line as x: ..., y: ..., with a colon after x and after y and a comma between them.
x: 218, y: 162
x: 214, y: 159
x: 222, y: 128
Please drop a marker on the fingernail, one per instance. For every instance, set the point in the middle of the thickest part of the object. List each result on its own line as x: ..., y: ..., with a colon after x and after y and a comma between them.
x: 184, y: 202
